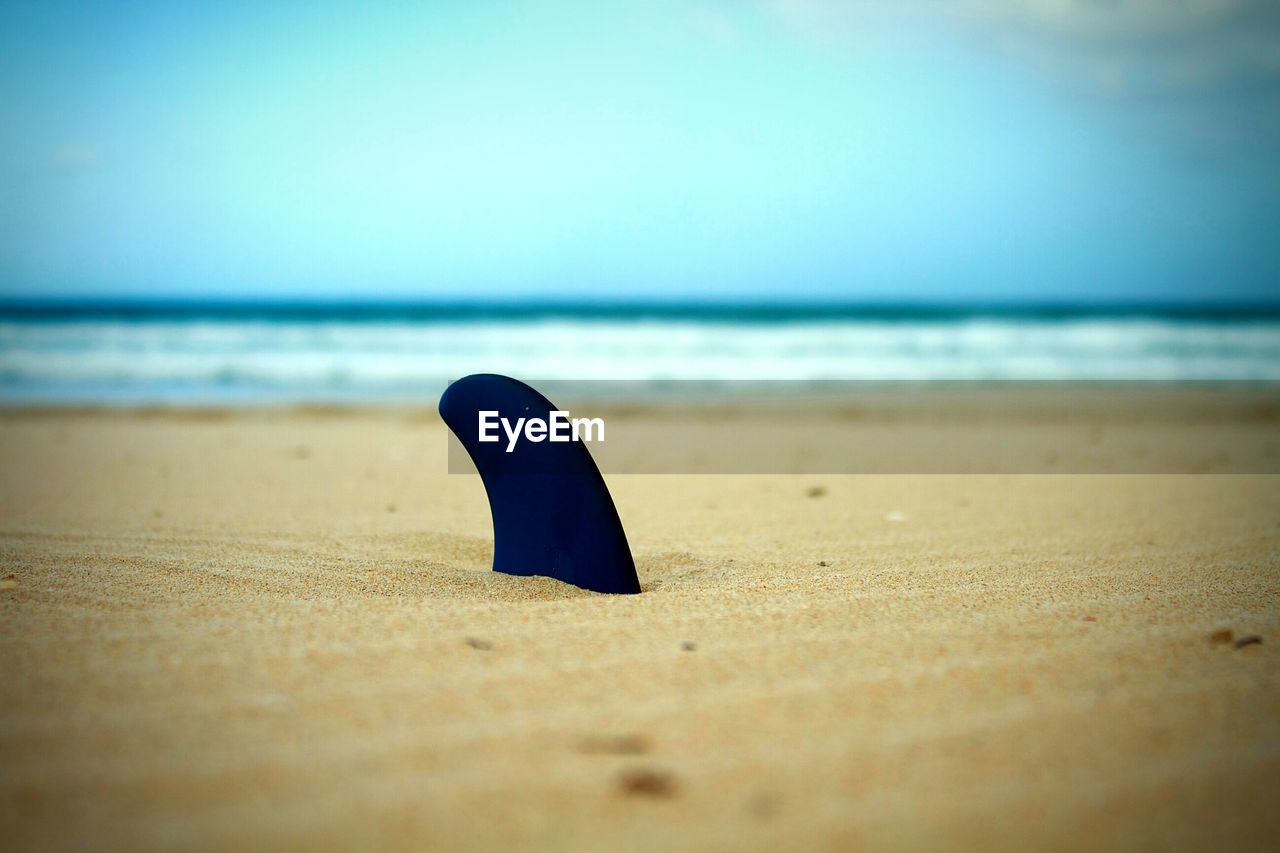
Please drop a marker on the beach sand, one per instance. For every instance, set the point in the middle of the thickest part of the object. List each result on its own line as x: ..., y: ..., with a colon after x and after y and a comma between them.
x: 278, y: 629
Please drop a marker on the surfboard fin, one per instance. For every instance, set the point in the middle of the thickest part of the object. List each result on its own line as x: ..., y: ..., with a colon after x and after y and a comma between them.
x: 552, y: 512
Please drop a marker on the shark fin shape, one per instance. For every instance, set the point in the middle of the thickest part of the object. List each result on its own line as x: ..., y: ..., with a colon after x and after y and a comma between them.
x: 552, y: 512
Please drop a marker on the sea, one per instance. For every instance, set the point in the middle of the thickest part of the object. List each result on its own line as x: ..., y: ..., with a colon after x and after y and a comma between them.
x: 247, y: 353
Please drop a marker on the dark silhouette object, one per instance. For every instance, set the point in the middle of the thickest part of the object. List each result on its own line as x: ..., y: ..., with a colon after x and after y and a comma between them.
x: 552, y: 513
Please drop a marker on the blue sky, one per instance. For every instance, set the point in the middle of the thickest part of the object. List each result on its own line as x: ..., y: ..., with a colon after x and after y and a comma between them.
x: 1031, y: 149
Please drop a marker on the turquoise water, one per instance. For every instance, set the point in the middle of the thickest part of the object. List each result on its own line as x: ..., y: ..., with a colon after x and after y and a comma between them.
x: 250, y: 353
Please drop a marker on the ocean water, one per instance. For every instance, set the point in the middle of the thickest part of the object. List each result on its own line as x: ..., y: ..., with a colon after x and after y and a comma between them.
x: 150, y: 353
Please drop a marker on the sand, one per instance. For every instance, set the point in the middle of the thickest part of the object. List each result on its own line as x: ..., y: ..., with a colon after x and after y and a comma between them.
x: 266, y: 630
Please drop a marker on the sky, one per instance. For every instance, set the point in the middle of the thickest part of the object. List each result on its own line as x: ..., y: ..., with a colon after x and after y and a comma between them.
x: 919, y: 150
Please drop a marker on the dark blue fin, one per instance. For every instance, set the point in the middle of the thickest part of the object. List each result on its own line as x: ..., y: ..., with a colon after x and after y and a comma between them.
x: 552, y: 513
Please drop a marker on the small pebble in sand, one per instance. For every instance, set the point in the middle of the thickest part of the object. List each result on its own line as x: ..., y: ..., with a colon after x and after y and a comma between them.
x: 764, y: 805
x: 823, y: 563
x: 630, y: 744
x: 647, y: 782
x: 688, y: 646
x: 1221, y: 637
x: 482, y: 645
x: 1091, y: 619
x: 816, y: 491
x: 1251, y: 640
x: 895, y: 517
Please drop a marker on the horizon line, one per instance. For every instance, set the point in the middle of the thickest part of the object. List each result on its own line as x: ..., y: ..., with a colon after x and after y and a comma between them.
x: 500, y: 307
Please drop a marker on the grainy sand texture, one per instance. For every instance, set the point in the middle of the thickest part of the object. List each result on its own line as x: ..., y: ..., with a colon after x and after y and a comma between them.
x: 279, y: 630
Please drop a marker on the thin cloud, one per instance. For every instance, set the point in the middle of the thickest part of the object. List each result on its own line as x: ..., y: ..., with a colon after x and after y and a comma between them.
x: 1134, y: 47
x: 1206, y: 71
x: 713, y: 24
